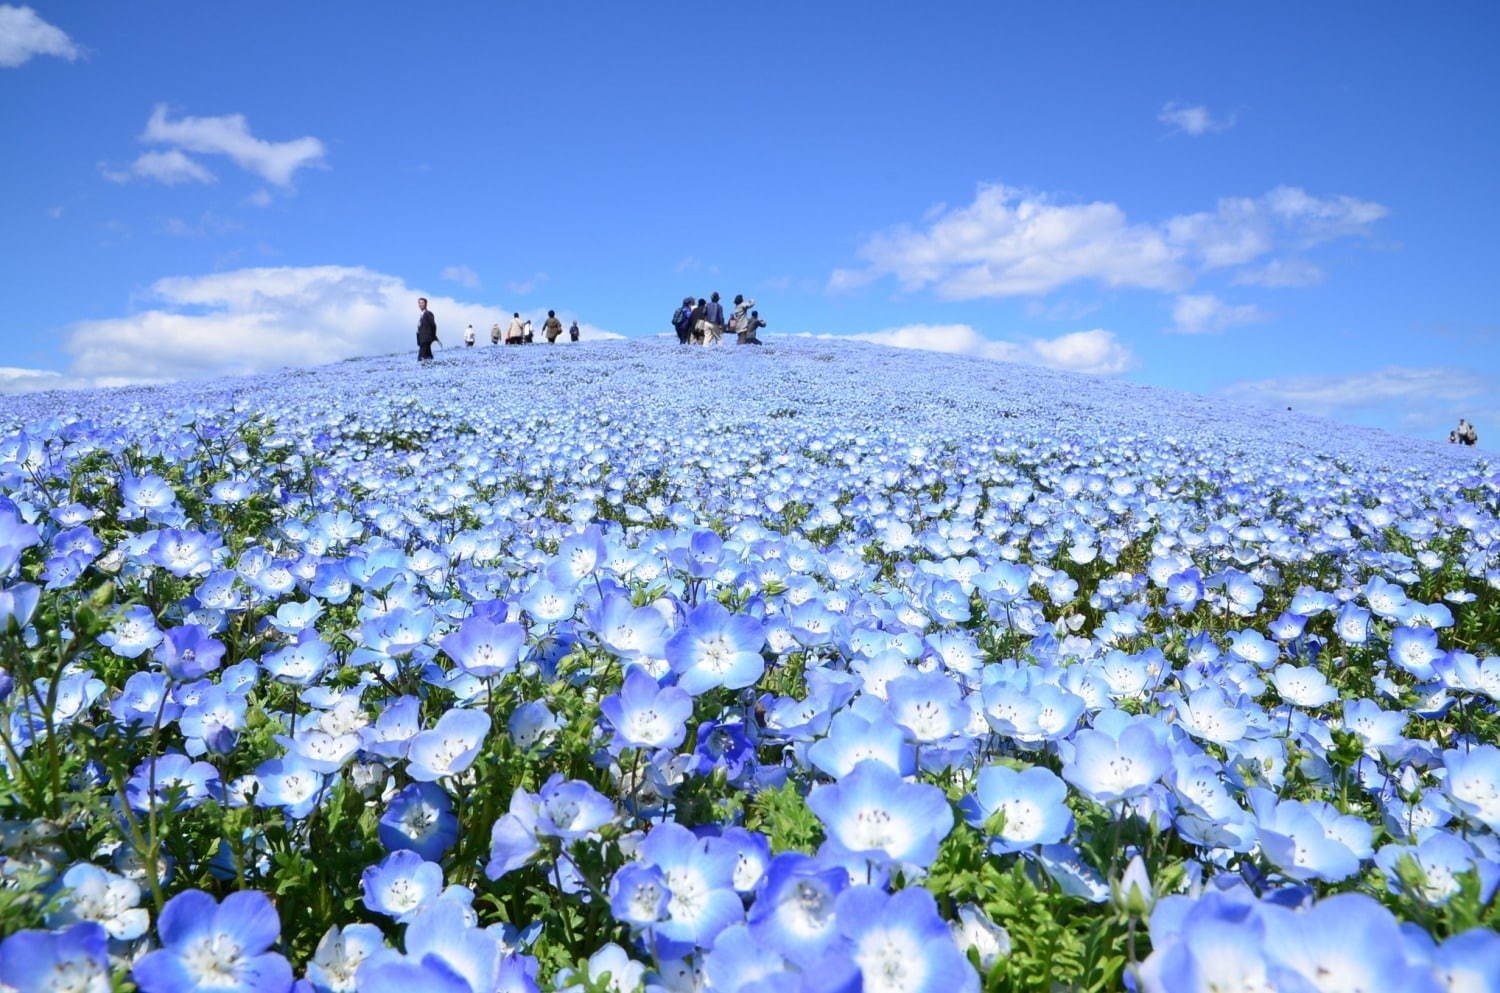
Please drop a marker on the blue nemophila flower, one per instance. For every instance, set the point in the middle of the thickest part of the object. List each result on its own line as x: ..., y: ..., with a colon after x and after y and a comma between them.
x: 794, y: 911
x: 483, y: 647
x: 219, y: 946
x: 16, y: 535
x: 398, y: 631
x: 638, y: 895
x: 211, y: 721
x: 90, y: 893
x: 172, y: 781
x: 1415, y: 650
x: 716, y: 648
x: 289, y: 782
x: 73, y: 959
x: 188, y: 652
x: 549, y: 603
x: 17, y: 604
x: 724, y: 745
x: 448, y: 748
x: 929, y: 705
x: 1473, y: 783
x: 853, y: 738
x: 134, y: 633
x: 1109, y: 767
x: 401, y: 884
x: 900, y: 943
x: 699, y: 874
x: 874, y: 812
x: 1303, y: 686
x: 145, y: 699
x: 1430, y: 869
x: 612, y: 962
x: 301, y: 663
x: 393, y: 730
x: 533, y: 725
x: 185, y: 553
x: 570, y: 810
x: 445, y: 951
x: 1347, y: 941
x: 1310, y: 840
x: 1018, y: 809
x: 420, y: 818
x: 339, y: 955
x: 629, y: 631
x: 644, y: 714
x: 513, y: 837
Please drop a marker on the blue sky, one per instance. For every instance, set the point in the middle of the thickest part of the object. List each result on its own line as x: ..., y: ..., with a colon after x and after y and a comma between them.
x: 1291, y: 204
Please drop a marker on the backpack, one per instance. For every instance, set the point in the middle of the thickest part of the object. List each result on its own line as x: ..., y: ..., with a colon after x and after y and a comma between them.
x: 681, y: 316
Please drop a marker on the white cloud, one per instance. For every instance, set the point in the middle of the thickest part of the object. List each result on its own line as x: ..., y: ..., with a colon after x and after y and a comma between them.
x: 253, y: 320
x: 526, y: 286
x: 1430, y: 400
x: 462, y: 275
x: 1097, y: 351
x: 14, y: 380
x: 170, y: 167
x: 1010, y: 243
x: 24, y: 34
x: 275, y: 162
x: 1192, y: 120
x: 1204, y: 313
x: 1280, y: 273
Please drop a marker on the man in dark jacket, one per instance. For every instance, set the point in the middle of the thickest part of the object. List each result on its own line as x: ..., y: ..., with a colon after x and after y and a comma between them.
x: 426, y: 331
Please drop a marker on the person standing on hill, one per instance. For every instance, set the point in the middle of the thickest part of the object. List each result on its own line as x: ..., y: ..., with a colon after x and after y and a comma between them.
x: 426, y: 331
x: 573, y: 333
x: 469, y: 336
x: 552, y: 327
x: 741, y: 316
x: 713, y: 314
x: 516, y: 333
x: 682, y: 321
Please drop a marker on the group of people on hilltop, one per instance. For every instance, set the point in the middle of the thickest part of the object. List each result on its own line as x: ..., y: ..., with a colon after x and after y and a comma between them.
x: 518, y: 333
x: 702, y: 323
x: 1464, y: 434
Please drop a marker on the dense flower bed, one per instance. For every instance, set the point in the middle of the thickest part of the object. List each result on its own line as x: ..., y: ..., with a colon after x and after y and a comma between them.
x: 812, y: 667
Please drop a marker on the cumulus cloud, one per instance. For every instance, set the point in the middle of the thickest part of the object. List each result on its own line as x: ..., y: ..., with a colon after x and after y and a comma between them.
x: 1011, y: 243
x: 525, y: 286
x: 1098, y: 351
x: 253, y: 320
x: 24, y: 34
x: 1192, y: 120
x: 462, y: 275
x: 16, y: 380
x: 229, y: 135
x: 170, y: 167
x: 1430, y: 399
x: 1204, y: 313
x: 1280, y: 273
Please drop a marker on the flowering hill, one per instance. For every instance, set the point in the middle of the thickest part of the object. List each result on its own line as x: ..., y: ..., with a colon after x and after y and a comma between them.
x: 802, y: 667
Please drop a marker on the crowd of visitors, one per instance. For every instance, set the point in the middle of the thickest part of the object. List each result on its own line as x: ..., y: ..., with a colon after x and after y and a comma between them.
x: 700, y: 323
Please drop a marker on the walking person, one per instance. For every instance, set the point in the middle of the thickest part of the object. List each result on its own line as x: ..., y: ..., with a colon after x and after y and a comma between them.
x: 1466, y: 434
x: 697, y: 322
x: 494, y: 334
x: 552, y: 327
x: 682, y: 321
x: 516, y: 333
x: 713, y: 314
x: 573, y: 333
x: 469, y: 336
x: 741, y: 317
x: 426, y: 331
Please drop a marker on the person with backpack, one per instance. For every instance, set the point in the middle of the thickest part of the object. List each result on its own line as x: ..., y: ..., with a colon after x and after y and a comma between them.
x: 682, y: 321
x: 740, y: 317
x: 494, y: 334
x: 552, y: 327
x: 1466, y: 433
x: 426, y: 331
